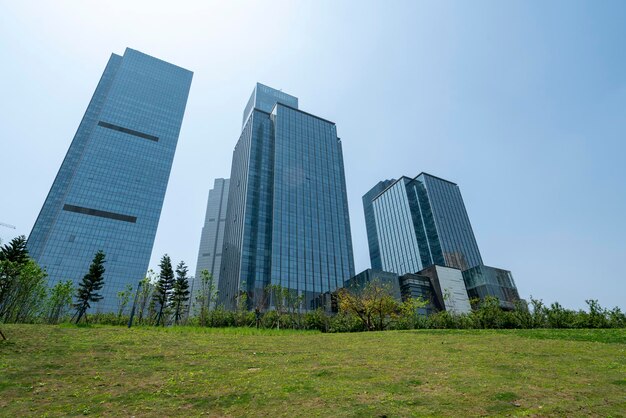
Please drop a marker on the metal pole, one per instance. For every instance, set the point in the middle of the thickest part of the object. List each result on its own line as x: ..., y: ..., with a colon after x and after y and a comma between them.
x: 132, y: 311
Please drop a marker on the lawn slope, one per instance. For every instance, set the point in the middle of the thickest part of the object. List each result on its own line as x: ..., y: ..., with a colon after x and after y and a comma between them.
x: 114, y: 371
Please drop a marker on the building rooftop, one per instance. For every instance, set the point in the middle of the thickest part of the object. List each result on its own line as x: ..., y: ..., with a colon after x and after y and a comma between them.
x: 409, y: 179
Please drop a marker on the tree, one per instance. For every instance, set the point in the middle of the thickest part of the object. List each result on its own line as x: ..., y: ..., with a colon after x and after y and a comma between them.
x: 123, y: 297
x: 180, y: 294
x: 278, y: 297
x: 163, y: 290
x: 60, y: 301
x: 206, y: 297
x: 12, y: 257
x: 373, y: 305
x: 294, y: 303
x: 22, y: 290
x: 15, y: 251
x: 409, y: 313
x: 89, y: 286
x: 145, y: 294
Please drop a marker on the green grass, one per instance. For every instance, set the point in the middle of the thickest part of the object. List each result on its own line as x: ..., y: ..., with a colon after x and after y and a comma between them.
x: 114, y: 371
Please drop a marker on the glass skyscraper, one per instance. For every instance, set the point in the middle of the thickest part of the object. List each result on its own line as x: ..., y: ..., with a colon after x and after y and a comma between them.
x: 420, y: 225
x: 370, y: 222
x: 420, y: 222
x: 109, y: 190
x: 287, y: 218
x: 212, y: 238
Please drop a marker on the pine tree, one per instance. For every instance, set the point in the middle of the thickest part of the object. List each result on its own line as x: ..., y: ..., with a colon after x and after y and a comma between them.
x: 164, y: 286
x: 88, y: 288
x: 15, y: 251
x: 181, y: 291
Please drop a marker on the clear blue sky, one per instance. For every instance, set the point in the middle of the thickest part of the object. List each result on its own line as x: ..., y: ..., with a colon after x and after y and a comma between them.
x: 523, y: 104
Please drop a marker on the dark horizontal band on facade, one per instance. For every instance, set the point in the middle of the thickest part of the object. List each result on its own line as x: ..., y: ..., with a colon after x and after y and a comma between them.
x: 128, y: 131
x: 100, y: 213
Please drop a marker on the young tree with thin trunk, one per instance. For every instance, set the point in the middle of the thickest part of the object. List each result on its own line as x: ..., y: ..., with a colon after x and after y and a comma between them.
x: 145, y: 295
x: 163, y: 290
x: 278, y: 297
x: 89, y: 287
x: 180, y: 294
x: 59, y: 301
x: 123, y: 297
x: 206, y: 297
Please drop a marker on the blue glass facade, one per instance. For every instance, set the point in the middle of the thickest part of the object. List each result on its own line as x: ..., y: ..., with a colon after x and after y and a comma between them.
x: 370, y: 222
x: 287, y: 219
x: 482, y: 281
x: 264, y: 98
x: 109, y: 190
x: 385, y: 278
x: 212, y: 237
x: 421, y: 222
x: 421, y: 287
x: 446, y: 224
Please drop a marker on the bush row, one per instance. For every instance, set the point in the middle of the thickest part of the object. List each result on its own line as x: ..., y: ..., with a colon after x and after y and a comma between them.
x: 487, y: 315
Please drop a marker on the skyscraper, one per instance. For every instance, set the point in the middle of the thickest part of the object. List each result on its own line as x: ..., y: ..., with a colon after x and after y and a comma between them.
x: 370, y: 222
x: 421, y: 222
x: 421, y: 226
x: 109, y: 190
x: 287, y: 219
x: 212, y: 238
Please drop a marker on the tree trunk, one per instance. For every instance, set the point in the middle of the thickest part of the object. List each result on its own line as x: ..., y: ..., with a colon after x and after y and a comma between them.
x: 80, y: 313
x: 159, y: 315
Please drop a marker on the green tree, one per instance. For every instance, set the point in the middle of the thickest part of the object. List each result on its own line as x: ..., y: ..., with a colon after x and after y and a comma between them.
x: 89, y: 287
x: 408, y: 315
x: 180, y: 294
x: 597, y: 317
x: 123, y: 297
x: 23, y: 290
x: 60, y: 301
x: 373, y: 304
x: 163, y: 289
x: 12, y: 256
x: 146, y: 291
x: 279, y: 300
x: 206, y: 297
x: 241, y: 313
x: 15, y: 251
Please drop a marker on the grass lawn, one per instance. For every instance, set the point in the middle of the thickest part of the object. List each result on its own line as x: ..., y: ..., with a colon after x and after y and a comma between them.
x: 114, y: 371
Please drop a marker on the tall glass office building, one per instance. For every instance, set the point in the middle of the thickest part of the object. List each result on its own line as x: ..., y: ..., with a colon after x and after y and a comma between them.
x: 212, y: 238
x: 287, y: 218
x: 370, y: 222
x: 109, y: 190
x: 420, y: 222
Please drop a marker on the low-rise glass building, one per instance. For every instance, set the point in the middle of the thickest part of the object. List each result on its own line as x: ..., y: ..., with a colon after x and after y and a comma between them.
x: 482, y: 281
